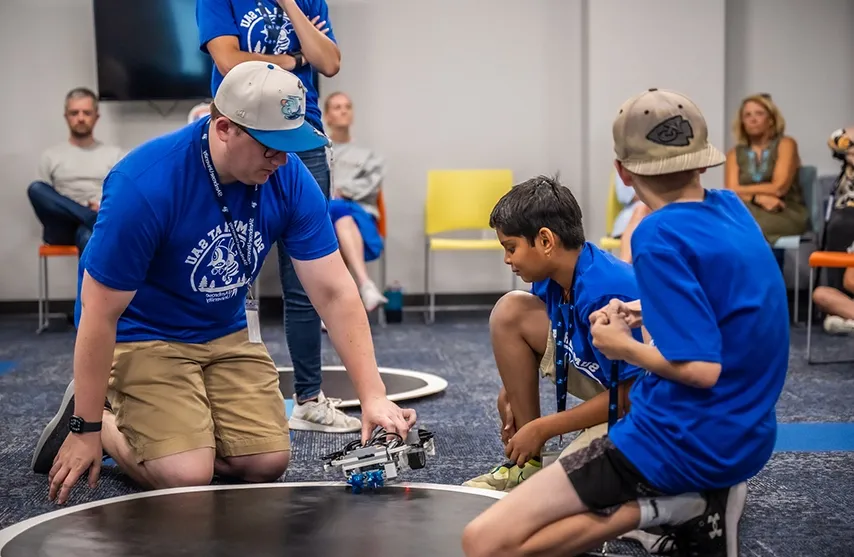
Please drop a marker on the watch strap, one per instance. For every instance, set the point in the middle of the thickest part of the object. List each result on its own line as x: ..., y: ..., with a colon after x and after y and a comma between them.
x: 78, y: 425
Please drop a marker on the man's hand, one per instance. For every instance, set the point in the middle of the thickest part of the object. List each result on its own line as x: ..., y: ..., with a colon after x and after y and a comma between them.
x: 79, y: 453
x: 508, y: 424
x: 527, y: 442
x: 611, y: 336
x: 382, y: 412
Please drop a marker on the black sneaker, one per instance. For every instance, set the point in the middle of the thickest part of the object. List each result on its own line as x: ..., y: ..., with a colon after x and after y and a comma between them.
x: 54, y: 434
x: 715, y: 532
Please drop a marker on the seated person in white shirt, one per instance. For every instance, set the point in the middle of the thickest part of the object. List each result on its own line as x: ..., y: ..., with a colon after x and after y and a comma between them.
x: 357, y: 175
x: 629, y: 217
x: 68, y: 194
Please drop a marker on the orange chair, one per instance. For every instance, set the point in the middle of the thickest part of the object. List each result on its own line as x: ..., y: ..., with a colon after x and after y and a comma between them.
x: 382, y: 223
x: 47, y: 251
x: 826, y: 259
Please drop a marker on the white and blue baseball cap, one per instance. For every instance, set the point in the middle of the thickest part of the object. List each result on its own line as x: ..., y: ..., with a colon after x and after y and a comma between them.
x: 269, y: 102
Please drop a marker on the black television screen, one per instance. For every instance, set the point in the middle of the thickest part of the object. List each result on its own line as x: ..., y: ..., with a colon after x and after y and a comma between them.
x: 149, y: 50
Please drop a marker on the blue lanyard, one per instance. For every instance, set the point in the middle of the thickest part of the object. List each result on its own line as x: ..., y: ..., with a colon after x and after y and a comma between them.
x: 273, y: 27
x: 562, y: 374
x: 245, y: 251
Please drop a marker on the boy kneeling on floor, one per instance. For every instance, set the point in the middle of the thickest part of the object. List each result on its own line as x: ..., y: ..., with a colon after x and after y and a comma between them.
x: 702, y: 416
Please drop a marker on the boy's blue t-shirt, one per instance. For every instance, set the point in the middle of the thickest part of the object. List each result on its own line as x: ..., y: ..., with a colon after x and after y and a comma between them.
x: 247, y: 21
x: 599, y: 278
x: 711, y: 291
x: 161, y: 232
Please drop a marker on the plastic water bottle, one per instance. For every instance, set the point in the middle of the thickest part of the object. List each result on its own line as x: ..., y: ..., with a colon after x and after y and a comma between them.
x: 394, y: 307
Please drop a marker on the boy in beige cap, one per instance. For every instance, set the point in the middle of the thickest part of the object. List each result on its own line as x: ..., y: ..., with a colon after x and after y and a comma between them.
x: 702, y: 418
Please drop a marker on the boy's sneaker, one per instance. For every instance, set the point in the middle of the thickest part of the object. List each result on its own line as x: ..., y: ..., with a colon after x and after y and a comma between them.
x: 322, y: 415
x: 505, y: 477
x: 715, y: 532
x: 835, y: 325
x: 54, y: 434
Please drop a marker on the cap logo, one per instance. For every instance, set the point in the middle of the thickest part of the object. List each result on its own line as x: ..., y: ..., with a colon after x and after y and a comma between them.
x: 673, y: 132
x: 291, y: 107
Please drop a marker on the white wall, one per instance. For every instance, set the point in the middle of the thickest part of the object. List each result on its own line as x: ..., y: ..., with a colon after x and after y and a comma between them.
x: 652, y: 43
x: 532, y: 89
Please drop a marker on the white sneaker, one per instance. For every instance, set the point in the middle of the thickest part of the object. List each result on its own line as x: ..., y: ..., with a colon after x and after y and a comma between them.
x: 835, y: 325
x: 322, y: 415
x: 371, y: 296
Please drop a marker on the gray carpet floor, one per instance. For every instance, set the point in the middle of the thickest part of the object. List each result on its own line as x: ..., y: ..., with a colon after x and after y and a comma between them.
x: 800, y: 505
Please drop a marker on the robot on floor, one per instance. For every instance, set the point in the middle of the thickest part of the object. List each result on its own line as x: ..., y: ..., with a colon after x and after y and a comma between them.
x: 381, y: 458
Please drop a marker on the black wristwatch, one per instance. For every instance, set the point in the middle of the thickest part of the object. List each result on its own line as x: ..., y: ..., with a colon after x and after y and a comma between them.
x: 299, y: 60
x: 78, y: 425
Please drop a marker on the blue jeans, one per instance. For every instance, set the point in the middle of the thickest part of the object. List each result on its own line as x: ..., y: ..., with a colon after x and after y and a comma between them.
x: 65, y: 221
x: 302, y: 323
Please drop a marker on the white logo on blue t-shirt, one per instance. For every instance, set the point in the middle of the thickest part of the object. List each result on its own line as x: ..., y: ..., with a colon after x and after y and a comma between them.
x: 217, y: 270
x: 257, y: 31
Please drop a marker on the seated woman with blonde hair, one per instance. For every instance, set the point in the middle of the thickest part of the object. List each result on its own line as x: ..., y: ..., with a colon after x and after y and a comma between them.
x: 357, y: 175
x: 762, y: 169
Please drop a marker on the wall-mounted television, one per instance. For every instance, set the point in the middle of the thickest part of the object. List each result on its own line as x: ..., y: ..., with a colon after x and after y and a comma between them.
x: 148, y: 50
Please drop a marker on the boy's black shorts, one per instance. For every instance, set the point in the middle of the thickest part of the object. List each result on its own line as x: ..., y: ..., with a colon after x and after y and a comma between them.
x: 605, y: 479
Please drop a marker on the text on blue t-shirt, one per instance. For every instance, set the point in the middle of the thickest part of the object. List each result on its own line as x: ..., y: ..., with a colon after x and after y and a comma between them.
x: 599, y: 277
x: 160, y: 232
x: 250, y: 21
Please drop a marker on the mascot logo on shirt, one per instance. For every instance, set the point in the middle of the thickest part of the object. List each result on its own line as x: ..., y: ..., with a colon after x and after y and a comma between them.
x: 258, y: 33
x: 217, y: 270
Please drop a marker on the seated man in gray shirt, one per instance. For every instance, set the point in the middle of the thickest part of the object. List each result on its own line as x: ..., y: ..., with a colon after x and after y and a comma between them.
x: 68, y: 194
x: 357, y: 175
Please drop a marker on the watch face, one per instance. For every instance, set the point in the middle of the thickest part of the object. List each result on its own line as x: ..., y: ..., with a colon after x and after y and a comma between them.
x: 76, y: 424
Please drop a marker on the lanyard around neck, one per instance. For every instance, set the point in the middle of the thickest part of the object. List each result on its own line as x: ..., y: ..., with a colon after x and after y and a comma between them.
x: 245, y: 250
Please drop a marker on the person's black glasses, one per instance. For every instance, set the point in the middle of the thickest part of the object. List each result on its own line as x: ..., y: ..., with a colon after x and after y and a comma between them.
x: 268, y: 152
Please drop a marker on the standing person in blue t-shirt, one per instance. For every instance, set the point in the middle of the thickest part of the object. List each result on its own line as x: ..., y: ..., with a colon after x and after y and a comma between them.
x: 702, y: 420
x: 297, y: 36
x: 168, y: 331
x: 539, y: 223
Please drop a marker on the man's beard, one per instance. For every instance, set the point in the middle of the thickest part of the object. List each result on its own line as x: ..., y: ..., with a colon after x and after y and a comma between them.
x: 81, y: 133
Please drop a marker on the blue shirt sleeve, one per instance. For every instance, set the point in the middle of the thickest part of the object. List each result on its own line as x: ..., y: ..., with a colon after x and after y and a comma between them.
x: 126, y: 236
x: 214, y: 18
x: 319, y: 8
x: 309, y: 233
x: 625, y: 370
x: 675, y: 308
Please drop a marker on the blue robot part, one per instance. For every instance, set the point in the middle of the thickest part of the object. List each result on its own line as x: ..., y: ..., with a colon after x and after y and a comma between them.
x: 371, y: 465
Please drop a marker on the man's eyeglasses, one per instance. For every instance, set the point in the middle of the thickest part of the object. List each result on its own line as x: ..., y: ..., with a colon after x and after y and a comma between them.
x: 268, y: 152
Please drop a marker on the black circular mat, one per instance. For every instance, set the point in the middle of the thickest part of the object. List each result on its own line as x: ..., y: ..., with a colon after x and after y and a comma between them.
x: 316, y: 519
x: 401, y: 384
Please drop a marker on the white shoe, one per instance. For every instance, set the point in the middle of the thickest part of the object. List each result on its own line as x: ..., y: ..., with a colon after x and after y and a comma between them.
x: 835, y: 325
x: 371, y: 296
x: 322, y: 415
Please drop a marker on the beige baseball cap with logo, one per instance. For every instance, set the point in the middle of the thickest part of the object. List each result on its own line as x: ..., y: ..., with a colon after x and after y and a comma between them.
x: 269, y: 103
x: 661, y: 132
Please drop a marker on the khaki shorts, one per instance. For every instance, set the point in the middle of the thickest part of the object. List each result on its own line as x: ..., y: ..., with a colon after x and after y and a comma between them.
x: 577, y: 384
x: 171, y: 397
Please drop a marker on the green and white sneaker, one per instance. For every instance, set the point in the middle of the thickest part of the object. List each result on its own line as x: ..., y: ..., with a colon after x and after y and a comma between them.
x: 505, y: 477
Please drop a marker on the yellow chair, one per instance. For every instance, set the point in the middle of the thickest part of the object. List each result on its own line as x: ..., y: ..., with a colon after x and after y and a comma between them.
x: 460, y: 200
x: 612, y: 209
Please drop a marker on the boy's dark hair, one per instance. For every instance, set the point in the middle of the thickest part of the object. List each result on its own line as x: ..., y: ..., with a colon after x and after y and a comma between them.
x: 540, y: 202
